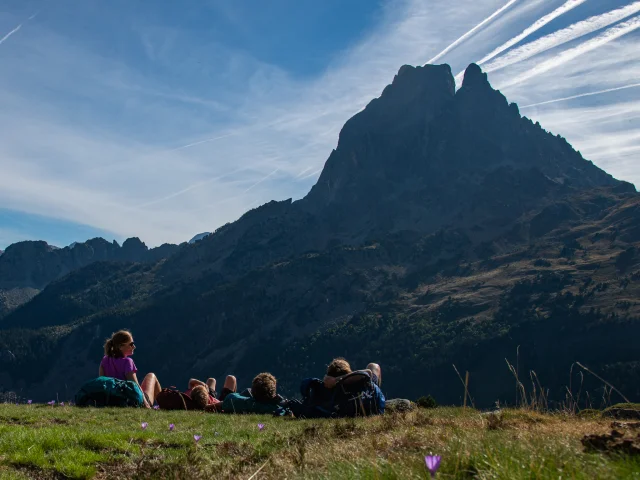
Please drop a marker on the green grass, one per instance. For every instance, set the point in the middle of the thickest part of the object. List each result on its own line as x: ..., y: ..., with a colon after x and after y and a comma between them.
x: 626, y: 406
x: 68, y: 442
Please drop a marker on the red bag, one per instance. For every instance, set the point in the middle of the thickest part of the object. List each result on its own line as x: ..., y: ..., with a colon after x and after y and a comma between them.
x: 170, y: 399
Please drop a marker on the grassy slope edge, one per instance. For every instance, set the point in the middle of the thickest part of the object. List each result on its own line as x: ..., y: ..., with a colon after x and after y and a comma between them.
x: 67, y: 442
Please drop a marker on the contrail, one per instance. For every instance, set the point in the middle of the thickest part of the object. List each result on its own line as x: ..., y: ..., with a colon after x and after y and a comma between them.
x: 537, y: 25
x: 190, y: 187
x: 261, y: 180
x: 10, y: 33
x: 17, y: 28
x: 312, y: 174
x: 555, y: 39
x: 206, y: 140
x: 565, y: 35
x: 472, y: 31
x: 582, y: 95
x: 303, y: 172
x: 567, y: 55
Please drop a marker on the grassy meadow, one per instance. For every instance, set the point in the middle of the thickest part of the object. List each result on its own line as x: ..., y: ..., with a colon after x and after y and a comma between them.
x: 41, y: 441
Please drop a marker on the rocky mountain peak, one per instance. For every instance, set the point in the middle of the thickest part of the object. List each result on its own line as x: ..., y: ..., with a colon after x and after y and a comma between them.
x: 432, y: 158
x: 474, y: 77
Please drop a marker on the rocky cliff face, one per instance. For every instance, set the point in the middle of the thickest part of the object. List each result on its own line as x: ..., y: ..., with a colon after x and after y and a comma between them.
x: 445, y: 228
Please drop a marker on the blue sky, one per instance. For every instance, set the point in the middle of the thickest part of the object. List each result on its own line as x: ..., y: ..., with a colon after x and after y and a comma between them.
x: 165, y: 119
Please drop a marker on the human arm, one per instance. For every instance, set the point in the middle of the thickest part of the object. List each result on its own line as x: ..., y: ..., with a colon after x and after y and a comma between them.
x: 101, y: 371
x: 195, y: 382
x: 331, y: 382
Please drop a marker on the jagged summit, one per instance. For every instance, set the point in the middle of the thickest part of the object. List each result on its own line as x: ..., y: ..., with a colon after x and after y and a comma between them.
x: 475, y: 77
x: 422, y: 136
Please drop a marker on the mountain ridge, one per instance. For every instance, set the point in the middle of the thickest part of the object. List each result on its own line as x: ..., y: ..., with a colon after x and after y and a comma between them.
x: 27, y: 267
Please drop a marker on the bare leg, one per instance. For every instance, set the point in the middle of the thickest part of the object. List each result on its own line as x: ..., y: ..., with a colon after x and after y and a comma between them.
x: 211, y: 383
x: 151, y: 387
x: 375, y: 368
x: 231, y: 383
x: 230, y: 386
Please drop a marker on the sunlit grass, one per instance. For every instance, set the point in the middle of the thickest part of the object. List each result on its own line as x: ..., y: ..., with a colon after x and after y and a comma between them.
x: 38, y: 441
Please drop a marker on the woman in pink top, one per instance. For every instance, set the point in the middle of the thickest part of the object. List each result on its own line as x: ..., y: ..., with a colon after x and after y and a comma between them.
x: 117, y: 364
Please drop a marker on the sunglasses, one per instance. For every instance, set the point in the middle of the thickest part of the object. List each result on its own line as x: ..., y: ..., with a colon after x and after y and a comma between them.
x: 132, y: 344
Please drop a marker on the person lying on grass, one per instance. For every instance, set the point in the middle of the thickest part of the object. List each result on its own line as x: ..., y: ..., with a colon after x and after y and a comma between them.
x: 339, y: 370
x: 261, y: 398
x: 204, y: 394
x: 117, y: 363
x: 342, y: 393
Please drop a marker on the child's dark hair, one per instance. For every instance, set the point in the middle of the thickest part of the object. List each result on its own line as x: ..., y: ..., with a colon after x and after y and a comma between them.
x: 263, y: 388
x: 113, y: 344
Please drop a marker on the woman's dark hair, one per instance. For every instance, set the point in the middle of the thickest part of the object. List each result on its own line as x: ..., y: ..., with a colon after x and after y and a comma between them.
x: 113, y: 344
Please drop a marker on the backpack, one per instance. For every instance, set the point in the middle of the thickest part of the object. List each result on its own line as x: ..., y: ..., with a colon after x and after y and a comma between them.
x: 358, y: 399
x: 109, y: 392
x: 172, y: 399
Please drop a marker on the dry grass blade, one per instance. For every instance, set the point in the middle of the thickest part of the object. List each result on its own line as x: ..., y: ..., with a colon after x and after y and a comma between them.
x: 466, y: 387
x: 258, y: 471
x: 605, y: 382
x: 519, y: 384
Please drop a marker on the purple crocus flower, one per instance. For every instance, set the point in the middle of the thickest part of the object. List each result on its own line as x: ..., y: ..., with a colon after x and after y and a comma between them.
x: 52, y: 403
x: 261, y: 426
x: 197, y: 438
x: 171, y: 427
x: 156, y: 407
x: 144, y: 425
x: 29, y: 402
x: 62, y: 404
x: 433, y: 464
